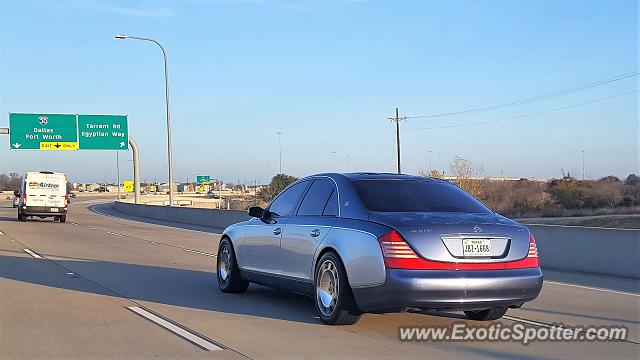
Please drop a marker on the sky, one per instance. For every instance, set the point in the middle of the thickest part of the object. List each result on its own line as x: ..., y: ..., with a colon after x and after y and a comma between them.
x: 328, y: 74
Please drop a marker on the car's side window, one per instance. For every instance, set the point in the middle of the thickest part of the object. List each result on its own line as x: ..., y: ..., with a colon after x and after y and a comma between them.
x: 286, y: 202
x: 316, y: 198
x: 331, y: 209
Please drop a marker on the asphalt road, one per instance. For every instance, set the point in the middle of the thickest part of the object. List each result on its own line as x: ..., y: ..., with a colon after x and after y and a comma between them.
x: 75, y: 293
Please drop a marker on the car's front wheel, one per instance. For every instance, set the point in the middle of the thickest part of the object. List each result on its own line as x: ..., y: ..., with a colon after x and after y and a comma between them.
x: 487, y: 315
x: 228, y: 274
x: 333, y: 297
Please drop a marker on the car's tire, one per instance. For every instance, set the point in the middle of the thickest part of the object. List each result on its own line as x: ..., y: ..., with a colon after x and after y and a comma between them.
x: 21, y: 217
x: 63, y: 218
x: 227, y: 271
x: 333, y: 297
x: 486, y: 315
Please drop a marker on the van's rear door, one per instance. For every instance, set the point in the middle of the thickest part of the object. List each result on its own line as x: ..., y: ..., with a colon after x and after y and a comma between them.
x: 36, y: 196
x: 55, y: 191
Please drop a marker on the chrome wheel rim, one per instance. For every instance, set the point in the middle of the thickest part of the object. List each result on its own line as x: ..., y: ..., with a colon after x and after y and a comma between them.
x: 327, y: 285
x: 224, y: 268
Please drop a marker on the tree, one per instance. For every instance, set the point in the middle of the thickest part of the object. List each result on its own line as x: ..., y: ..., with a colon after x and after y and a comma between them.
x: 433, y: 174
x: 11, y: 182
x: 468, y: 177
x: 277, y: 184
x: 631, y: 190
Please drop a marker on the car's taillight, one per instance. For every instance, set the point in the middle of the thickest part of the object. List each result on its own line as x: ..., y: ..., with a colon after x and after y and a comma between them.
x: 24, y: 199
x: 395, y: 250
x: 533, y: 251
x: 397, y: 254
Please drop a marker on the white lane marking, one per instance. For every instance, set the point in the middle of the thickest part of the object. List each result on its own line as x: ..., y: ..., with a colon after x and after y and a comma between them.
x: 199, y: 252
x: 591, y: 288
x: 1, y: 233
x: 32, y: 253
x: 530, y: 322
x: 83, y: 202
x: 175, y: 329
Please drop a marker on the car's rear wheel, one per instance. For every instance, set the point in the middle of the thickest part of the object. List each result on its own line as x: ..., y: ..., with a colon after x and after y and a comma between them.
x: 487, y: 315
x: 21, y: 217
x: 333, y: 296
x: 63, y: 218
x: 228, y: 274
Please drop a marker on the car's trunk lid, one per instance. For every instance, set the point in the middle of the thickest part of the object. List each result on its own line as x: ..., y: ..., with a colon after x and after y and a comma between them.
x: 473, y: 237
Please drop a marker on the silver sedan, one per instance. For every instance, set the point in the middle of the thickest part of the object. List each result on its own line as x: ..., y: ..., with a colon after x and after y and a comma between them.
x: 367, y: 242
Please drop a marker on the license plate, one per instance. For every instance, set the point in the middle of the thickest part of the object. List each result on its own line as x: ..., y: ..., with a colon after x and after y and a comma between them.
x: 476, y: 247
x: 54, y: 209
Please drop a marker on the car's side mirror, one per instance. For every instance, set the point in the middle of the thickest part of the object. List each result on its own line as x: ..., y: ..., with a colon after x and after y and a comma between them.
x: 256, y: 212
x: 16, y: 193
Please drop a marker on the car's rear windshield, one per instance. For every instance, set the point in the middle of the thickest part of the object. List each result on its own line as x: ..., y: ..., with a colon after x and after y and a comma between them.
x: 392, y: 195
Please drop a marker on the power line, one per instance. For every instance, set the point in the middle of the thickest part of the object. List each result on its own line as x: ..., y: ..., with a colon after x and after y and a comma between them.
x: 526, y: 115
x: 531, y: 99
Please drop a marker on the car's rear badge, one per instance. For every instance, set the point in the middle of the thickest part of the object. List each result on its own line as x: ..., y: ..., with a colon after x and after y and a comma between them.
x: 421, y: 230
x: 477, y: 229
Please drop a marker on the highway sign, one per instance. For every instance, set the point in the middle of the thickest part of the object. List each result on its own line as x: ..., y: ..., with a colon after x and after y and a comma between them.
x: 103, y: 132
x: 128, y: 186
x: 203, y: 179
x: 43, y: 132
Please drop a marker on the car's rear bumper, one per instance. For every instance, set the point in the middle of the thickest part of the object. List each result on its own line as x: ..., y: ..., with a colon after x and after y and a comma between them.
x: 452, y: 290
x: 43, y: 211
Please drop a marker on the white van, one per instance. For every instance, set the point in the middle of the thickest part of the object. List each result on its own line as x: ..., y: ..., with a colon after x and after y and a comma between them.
x: 43, y: 194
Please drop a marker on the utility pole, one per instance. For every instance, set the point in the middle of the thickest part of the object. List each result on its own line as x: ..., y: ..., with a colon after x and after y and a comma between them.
x: 582, y: 165
x: 397, y: 120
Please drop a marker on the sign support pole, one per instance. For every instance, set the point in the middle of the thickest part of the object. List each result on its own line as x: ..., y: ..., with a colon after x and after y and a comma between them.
x: 136, y: 170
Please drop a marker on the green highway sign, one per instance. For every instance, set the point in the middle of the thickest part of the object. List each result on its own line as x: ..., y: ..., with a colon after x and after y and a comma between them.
x: 42, y: 132
x: 103, y: 132
x: 203, y: 179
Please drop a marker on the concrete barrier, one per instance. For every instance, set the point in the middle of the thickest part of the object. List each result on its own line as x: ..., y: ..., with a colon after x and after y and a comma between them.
x: 192, y: 216
x: 569, y: 248
x: 602, y: 251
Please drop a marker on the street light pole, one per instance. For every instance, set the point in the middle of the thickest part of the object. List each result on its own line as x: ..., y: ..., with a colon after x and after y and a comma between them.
x: 166, y: 94
x: 430, y: 167
x: 334, y: 160
x: 280, y: 149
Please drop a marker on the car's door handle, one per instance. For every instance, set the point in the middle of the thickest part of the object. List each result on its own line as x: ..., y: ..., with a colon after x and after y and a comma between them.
x: 277, y: 231
x: 315, y: 233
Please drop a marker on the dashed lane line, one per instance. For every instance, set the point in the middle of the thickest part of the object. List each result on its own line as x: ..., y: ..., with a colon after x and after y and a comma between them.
x: 32, y: 253
x: 148, y: 241
x: 592, y: 288
x: 187, y: 334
